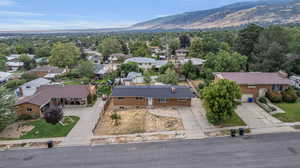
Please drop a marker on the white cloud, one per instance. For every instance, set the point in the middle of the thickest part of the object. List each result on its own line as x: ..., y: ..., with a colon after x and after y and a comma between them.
x: 7, y: 3
x: 19, y: 25
x: 19, y: 14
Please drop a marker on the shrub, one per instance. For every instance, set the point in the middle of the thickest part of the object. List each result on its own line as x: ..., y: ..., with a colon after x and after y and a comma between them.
x: 289, y: 96
x: 13, y: 84
x: 275, y: 97
x: 262, y: 100
x: 29, y: 76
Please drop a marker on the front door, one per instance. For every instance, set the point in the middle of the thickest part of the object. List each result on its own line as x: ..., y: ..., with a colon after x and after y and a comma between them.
x: 150, y: 101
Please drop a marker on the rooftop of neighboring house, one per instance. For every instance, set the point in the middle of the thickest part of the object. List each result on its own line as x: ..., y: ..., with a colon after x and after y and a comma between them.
x: 132, y: 75
x: 14, y: 64
x: 255, y: 78
x: 30, y: 88
x: 164, y: 91
x: 17, y: 56
x: 140, y: 60
x: 48, y: 69
x: 144, y: 60
x: 5, y: 76
x: 46, y: 92
x: 195, y: 61
x: 100, y: 69
x: 295, y: 77
x: 182, y: 50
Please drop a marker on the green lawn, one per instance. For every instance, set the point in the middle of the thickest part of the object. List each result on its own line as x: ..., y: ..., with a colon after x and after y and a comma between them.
x: 235, y: 120
x: 45, y: 130
x: 74, y: 82
x: 292, y: 112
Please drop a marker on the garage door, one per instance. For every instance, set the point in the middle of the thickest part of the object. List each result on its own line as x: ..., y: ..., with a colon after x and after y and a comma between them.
x: 245, y: 97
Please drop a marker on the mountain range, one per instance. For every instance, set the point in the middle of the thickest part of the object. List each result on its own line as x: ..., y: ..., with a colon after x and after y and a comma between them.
x: 263, y: 12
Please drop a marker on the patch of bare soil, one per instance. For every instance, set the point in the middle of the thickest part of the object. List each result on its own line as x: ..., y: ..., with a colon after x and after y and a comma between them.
x: 15, y: 130
x: 135, y: 121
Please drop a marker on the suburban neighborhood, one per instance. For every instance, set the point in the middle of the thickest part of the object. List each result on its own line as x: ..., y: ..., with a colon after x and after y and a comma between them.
x: 161, y: 90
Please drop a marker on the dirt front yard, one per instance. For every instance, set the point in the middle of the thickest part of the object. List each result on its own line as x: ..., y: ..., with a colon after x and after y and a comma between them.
x: 135, y: 121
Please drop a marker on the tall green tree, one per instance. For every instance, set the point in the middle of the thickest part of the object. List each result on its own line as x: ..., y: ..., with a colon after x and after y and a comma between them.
x: 7, y: 108
x: 109, y: 46
x: 196, y: 49
x: 128, y: 67
x: 170, y: 77
x: 86, y: 69
x: 140, y: 49
x: 29, y: 63
x: 174, y: 44
x: 189, y: 70
x: 185, y: 41
x: 272, y: 49
x: 225, y: 61
x: 247, y: 39
x: 64, y: 55
x: 220, y: 100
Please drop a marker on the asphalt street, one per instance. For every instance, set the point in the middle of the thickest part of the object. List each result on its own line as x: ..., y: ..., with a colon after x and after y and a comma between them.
x: 259, y: 151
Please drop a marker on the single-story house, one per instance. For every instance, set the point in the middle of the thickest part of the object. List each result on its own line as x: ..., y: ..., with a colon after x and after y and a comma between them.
x: 195, y: 61
x: 133, y: 78
x: 181, y: 54
x: 295, y: 81
x: 116, y: 57
x: 29, y: 88
x: 16, y: 57
x: 49, y: 71
x: 147, y: 63
x: 47, y: 95
x: 14, y: 66
x: 256, y: 84
x: 151, y: 96
x: 5, y: 76
x: 101, y: 70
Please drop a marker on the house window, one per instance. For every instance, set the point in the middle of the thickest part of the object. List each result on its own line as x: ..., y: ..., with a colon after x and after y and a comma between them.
x: 139, y: 98
x: 29, y: 110
x: 122, y: 108
x: 120, y: 98
x: 162, y: 100
x: 277, y: 88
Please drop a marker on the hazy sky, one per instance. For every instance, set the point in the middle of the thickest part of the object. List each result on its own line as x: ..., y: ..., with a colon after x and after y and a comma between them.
x: 74, y: 14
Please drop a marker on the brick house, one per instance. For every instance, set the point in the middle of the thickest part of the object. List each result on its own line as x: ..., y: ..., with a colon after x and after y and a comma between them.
x: 43, y: 71
x: 151, y: 96
x: 256, y: 84
x: 46, y: 95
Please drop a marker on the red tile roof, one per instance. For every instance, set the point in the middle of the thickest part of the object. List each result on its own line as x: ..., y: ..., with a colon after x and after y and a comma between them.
x: 46, y: 92
x: 255, y: 78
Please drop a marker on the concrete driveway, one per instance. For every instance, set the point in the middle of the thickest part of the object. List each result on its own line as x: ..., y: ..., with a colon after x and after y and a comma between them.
x: 82, y: 133
x: 256, y: 117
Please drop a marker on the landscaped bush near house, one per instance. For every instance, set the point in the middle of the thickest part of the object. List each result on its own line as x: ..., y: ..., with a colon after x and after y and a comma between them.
x: 275, y: 97
x: 289, y: 95
x: 91, y: 99
x: 262, y: 100
x: 13, y: 84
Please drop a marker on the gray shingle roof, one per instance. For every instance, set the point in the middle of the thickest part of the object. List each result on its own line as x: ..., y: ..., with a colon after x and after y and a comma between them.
x: 153, y: 91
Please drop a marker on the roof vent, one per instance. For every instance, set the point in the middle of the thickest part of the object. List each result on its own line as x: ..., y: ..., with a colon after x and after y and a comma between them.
x: 173, y: 89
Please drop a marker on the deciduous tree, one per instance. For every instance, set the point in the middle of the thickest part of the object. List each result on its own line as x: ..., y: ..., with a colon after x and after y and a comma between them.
x: 64, y: 55
x: 220, y: 100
